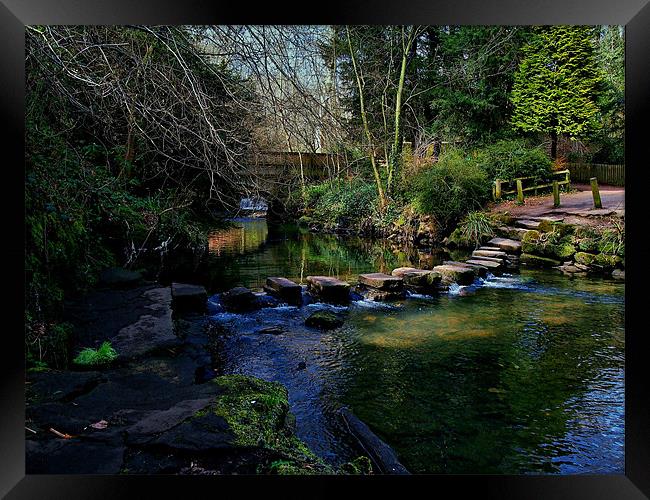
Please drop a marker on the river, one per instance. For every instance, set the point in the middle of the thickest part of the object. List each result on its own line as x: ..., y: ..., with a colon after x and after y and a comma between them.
x: 517, y: 374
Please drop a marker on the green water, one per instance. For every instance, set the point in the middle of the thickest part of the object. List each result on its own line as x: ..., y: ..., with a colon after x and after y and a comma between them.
x: 520, y: 373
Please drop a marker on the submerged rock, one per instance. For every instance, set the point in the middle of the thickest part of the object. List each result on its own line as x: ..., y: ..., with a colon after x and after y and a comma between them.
x: 325, y: 320
x: 618, y: 274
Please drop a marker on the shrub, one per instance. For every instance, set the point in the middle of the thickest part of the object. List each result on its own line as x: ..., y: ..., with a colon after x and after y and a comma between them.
x: 473, y: 230
x: 508, y: 159
x: 344, y: 202
x: 450, y: 188
x: 93, y: 357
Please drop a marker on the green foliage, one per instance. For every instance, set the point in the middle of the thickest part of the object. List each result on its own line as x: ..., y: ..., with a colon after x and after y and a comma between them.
x: 557, y: 84
x: 509, y: 159
x: 96, y: 357
x: 474, y: 229
x: 450, y: 188
x: 345, y: 202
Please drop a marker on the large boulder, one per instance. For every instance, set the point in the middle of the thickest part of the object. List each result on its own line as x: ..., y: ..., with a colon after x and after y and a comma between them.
x: 239, y: 299
x: 284, y: 289
x: 187, y: 297
x: 328, y: 289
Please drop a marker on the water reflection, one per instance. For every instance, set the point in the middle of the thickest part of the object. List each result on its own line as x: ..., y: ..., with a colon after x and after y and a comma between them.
x: 523, y: 375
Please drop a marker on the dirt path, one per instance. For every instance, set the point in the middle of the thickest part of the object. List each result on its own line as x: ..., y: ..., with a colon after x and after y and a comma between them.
x: 575, y: 204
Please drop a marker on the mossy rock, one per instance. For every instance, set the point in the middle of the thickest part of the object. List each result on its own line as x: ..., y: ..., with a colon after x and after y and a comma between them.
x: 531, y: 236
x: 359, y: 466
x: 504, y: 218
x: 325, y: 320
x: 563, y: 250
x: 537, y: 261
x: 584, y: 258
x: 545, y: 226
x: 258, y: 416
x: 607, y: 261
x: 586, y: 244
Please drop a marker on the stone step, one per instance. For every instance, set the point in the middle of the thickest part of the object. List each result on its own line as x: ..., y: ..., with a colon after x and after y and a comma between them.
x: 506, y: 244
x: 381, y: 281
x: 328, y: 289
x: 186, y: 297
x: 527, y: 223
x: 479, y: 270
x: 463, y: 275
x: 552, y: 218
x: 490, y: 249
x: 515, y: 233
x: 489, y: 253
x: 284, y: 289
x: 417, y: 277
x: 498, y: 260
x: 486, y: 263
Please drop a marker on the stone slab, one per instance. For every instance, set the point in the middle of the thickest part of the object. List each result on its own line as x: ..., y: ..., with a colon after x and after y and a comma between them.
x: 381, y: 281
x: 328, y: 289
x: 463, y: 275
x: 284, y: 289
x: 506, y: 244
x: 187, y: 297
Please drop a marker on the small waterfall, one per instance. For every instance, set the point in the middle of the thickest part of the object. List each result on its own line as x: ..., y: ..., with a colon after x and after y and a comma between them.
x: 256, y: 205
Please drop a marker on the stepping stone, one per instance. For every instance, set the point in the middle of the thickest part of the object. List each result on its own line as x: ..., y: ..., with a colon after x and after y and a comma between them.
x: 506, y: 245
x: 239, y: 299
x: 527, y: 224
x: 463, y: 275
x: 489, y: 259
x: 284, y: 289
x: 377, y: 295
x: 418, y: 277
x: 552, y: 218
x: 489, y: 253
x: 515, y: 233
x: 490, y: 249
x: 487, y: 263
x: 187, y: 297
x: 381, y: 281
x: 329, y: 289
x: 479, y: 270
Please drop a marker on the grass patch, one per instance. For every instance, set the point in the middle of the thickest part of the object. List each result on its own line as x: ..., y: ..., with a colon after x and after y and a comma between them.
x: 94, y: 357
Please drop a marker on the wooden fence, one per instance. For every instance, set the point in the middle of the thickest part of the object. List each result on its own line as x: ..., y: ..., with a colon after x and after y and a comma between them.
x: 501, y: 187
x: 614, y: 175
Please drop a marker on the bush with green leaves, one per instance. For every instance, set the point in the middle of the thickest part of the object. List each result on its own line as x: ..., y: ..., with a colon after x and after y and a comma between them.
x: 473, y: 230
x: 450, y: 188
x: 104, y: 355
x: 341, y: 203
x: 509, y: 159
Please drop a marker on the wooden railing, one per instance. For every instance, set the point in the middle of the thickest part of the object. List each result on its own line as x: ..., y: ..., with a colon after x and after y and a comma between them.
x: 614, y: 175
x: 516, y: 185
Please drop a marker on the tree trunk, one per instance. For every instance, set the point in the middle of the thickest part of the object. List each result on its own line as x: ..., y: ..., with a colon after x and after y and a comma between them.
x: 554, y: 145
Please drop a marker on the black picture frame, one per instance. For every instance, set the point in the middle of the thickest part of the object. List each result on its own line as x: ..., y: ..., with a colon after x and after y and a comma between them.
x: 634, y: 14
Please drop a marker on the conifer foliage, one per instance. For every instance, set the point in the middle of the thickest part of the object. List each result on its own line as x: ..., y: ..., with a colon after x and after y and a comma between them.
x: 557, y: 84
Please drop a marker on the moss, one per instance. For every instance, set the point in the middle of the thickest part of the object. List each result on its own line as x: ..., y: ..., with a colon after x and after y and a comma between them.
x: 531, y: 236
x: 257, y: 413
x: 584, y: 258
x: 607, y: 261
x: 305, y: 221
x: 359, y: 466
x: 537, y: 261
x: 545, y: 226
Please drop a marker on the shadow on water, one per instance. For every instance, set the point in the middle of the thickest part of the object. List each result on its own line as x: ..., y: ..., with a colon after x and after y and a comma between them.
x: 515, y: 374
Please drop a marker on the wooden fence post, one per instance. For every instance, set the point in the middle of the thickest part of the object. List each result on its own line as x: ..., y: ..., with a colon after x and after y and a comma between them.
x: 595, y: 192
x: 520, y: 192
x: 497, y: 189
x: 556, y: 194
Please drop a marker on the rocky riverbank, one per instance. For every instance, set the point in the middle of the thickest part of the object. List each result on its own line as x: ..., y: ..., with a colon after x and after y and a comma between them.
x: 159, y: 407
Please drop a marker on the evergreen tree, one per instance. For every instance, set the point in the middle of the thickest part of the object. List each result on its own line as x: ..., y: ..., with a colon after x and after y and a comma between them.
x: 557, y: 84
